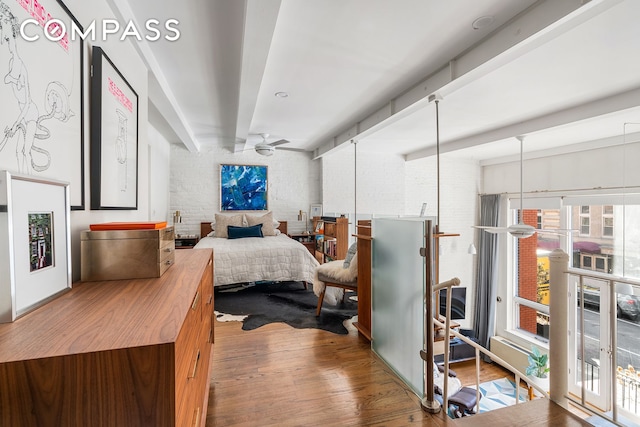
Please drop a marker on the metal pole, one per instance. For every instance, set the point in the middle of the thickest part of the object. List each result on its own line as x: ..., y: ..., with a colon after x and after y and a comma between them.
x: 558, y: 338
x: 438, y: 168
x: 355, y: 186
x: 583, y: 375
x: 429, y: 404
x: 613, y: 359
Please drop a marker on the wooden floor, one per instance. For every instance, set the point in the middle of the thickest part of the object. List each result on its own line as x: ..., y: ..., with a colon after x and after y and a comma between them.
x: 280, y: 376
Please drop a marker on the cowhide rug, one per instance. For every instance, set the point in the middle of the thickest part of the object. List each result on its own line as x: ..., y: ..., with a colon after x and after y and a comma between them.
x: 287, y: 302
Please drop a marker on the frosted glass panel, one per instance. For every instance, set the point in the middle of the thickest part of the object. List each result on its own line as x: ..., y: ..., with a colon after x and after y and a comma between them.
x: 397, y: 316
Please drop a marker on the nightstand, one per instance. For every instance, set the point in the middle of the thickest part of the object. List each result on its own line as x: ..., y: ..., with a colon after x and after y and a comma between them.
x: 308, y: 240
x: 186, y: 241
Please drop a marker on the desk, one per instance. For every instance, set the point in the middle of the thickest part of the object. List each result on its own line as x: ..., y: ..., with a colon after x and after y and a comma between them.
x: 458, y: 350
x: 438, y: 331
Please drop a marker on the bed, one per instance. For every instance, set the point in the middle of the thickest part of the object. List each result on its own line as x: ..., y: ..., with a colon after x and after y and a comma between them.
x: 253, y: 259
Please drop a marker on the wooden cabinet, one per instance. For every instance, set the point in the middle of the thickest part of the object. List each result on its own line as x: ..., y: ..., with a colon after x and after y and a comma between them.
x: 114, y: 353
x: 332, y: 238
x: 186, y: 241
x: 308, y: 240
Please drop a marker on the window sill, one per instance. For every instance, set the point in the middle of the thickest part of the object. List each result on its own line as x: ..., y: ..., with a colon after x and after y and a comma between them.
x: 526, y: 340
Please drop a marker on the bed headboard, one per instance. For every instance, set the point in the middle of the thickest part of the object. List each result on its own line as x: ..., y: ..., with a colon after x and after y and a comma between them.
x: 205, y: 228
x: 283, y: 227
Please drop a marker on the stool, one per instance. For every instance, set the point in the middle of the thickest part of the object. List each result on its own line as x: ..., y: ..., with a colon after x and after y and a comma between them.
x: 464, y: 401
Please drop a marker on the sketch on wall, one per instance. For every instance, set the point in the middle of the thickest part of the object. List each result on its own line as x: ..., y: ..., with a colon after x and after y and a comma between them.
x: 41, y: 117
x: 114, y: 137
x: 121, y: 150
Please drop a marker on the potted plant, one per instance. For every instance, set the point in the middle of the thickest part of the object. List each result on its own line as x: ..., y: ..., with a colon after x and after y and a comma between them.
x: 538, y: 368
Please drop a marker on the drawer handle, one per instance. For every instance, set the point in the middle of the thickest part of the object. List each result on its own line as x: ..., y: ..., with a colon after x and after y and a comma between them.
x: 196, y: 299
x: 210, y: 335
x: 210, y: 262
x: 195, y: 365
x: 168, y: 262
x: 196, y: 420
x: 168, y: 249
x: 210, y: 299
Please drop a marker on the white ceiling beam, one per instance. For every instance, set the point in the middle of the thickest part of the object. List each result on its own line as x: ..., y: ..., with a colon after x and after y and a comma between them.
x: 160, y: 93
x: 259, y: 25
x: 537, y: 25
x: 565, y: 149
x: 622, y: 101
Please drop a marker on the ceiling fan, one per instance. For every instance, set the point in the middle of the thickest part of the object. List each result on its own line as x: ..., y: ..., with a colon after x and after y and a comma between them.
x: 522, y: 230
x: 265, y: 148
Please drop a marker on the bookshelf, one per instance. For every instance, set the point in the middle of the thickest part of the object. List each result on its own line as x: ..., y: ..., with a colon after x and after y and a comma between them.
x: 332, y: 238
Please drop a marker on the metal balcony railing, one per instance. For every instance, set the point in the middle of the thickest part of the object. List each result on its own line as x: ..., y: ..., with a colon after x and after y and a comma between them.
x: 622, y: 385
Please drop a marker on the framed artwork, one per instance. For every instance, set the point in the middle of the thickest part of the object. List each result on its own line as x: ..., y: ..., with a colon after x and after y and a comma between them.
x: 35, y: 242
x: 114, y: 137
x: 316, y: 210
x: 41, y: 93
x: 243, y: 188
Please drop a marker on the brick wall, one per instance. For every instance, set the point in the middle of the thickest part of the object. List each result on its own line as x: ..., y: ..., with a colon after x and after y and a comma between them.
x: 528, y: 272
x: 381, y: 182
x: 459, y: 187
x: 293, y: 183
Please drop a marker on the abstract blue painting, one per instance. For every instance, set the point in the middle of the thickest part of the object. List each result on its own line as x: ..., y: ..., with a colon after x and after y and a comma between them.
x: 243, y: 188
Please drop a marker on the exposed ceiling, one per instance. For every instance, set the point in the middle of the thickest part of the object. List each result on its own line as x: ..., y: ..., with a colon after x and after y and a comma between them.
x: 562, y: 72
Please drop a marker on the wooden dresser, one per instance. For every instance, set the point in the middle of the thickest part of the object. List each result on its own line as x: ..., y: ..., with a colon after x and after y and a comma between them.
x: 114, y: 353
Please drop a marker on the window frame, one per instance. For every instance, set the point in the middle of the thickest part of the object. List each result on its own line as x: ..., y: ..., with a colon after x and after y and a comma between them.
x: 607, y: 216
x: 582, y: 216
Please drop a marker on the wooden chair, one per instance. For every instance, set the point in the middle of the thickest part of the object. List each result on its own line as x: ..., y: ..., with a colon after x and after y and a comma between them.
x: 328, y: 281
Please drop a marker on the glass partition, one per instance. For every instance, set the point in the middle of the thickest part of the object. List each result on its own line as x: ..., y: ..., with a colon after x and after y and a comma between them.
x: 398, y: 282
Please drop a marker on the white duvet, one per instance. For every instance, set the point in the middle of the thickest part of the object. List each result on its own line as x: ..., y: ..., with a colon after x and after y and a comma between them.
x: 252, y: 259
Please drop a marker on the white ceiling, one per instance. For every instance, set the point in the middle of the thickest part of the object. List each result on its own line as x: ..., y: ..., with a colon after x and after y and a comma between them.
x: 560, y: 72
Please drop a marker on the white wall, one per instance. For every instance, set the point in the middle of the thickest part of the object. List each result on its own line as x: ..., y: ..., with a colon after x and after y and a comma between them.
x: 593, y: 169
x: 380, y: 182
x: 125, y: 57
x: 159, y: 172
x: 459, y: 187
x: 293, y: 184
x: 387, y: 185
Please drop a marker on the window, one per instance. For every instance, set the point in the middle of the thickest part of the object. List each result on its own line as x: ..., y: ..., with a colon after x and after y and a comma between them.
x: 539, y: 220
x: 607, y: 221
x: 525, y: 317
x: 532, y: 284
x: 601, y: 250
x: 585, y: 220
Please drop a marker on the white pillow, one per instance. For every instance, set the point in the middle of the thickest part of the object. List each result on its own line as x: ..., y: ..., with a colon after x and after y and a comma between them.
x: 266, y: 220
x: 244, y: 222
x: 223, y: 221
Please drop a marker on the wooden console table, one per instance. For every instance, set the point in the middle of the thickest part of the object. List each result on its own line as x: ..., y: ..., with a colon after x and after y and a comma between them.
x: 114, y: 353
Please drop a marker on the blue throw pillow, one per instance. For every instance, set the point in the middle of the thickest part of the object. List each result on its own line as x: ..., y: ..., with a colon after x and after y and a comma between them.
x: 240, y: 232
x: 350, y: 253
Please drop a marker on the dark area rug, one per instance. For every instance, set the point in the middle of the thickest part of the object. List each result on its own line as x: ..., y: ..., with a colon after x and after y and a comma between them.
x: 286, y: 302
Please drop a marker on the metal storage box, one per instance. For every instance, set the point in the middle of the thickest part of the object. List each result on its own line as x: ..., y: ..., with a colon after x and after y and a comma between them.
x: 126, y: 254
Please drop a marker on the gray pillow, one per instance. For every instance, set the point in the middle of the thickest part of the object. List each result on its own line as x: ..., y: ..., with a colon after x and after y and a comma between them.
x: 350, y: 253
